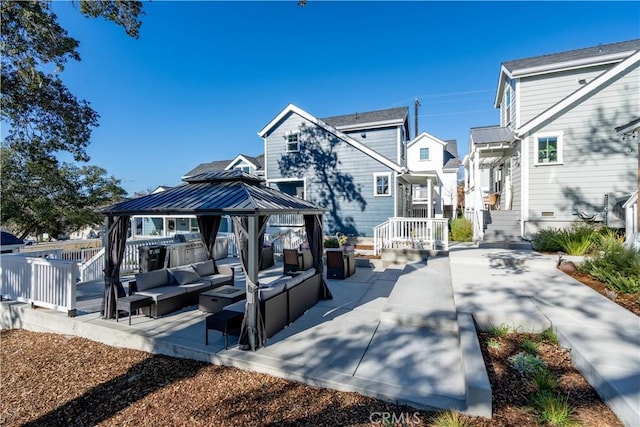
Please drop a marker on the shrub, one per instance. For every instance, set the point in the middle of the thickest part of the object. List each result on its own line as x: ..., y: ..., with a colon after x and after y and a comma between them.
x: 545, y: 241
x: 527, y: 364
x: 498, y: 331
x: 461, y: 230
x: 529, y: 346
x: 450, y: 419
x: 554, y: 410
x: 545, y: 381
x: 549, y: 335
x: 577, y: 240
x: 617, y: 266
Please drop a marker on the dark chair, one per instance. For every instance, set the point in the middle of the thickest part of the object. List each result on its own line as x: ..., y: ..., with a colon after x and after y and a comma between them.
x: 336, y: 265
x: 267, y: 257
x: 291, y: 261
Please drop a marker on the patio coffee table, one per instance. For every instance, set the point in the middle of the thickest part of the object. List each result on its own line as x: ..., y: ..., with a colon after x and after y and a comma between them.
x: 225, y: 321
x: 216, y: 299
x: 131, y: 303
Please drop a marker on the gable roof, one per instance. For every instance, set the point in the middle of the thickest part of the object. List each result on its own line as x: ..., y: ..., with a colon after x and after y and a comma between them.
x: 218, y: 165
x: 257, y: 162
x: 388, y: 117
x: 590, y: 56
x: 292, y: 109
x: 422, y: 135
x: 207, y: 167
x: 581, y: 94
x: 451, y: 160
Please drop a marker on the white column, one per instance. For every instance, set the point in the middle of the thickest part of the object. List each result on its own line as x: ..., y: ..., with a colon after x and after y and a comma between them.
x: 430, y: 199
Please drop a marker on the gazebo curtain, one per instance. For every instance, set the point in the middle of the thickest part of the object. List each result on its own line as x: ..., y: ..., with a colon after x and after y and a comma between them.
x: 209, y: 226
x: 114, y: 252
x: 252, y: 330
x: 313, y: 228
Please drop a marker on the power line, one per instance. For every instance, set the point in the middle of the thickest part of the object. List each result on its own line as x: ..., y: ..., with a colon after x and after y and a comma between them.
x: 455, y: 112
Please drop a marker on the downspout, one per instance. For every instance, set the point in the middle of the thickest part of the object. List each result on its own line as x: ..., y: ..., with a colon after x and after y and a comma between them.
x: 524, y: 184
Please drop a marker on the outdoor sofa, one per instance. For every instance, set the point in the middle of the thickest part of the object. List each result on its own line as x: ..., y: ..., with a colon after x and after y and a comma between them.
x: 285, y: 299
x: 174, y: 288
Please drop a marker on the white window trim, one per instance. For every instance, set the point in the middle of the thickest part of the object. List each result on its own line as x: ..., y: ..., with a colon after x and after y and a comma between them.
x: 428, y: 159
x: 286, y: 141
x: 536, y: 137
x: 375, y: 184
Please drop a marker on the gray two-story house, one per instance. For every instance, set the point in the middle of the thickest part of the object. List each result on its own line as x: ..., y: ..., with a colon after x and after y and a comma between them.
x: 556, y: 157
x: 349, y: 165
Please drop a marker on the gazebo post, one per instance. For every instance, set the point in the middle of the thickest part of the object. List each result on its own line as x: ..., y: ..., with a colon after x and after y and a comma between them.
x: 253, y: 234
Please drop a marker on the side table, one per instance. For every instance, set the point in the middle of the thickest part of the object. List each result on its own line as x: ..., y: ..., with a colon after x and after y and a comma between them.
x: 131, y: 303
x: 225, y: 321
x: 216, y: 299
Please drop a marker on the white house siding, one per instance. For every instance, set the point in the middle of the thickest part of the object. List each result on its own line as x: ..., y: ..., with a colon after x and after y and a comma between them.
x: 538, y: 93
x: 450, y: 189
x: 354, y: 165
x: 596, y: 161
x: 436, y: 153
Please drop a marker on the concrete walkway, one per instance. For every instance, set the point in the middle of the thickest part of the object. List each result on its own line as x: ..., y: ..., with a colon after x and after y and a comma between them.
x: 524, y: 290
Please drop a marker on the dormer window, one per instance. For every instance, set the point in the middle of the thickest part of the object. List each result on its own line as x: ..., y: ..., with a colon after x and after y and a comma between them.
x: 293, y: 142
x: 424, y: 153
x: 507, y: 107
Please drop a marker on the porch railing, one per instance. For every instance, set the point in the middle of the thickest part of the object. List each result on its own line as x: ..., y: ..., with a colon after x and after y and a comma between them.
x: 286, y: 220
x: 414, y: 233
x: 45, y: 282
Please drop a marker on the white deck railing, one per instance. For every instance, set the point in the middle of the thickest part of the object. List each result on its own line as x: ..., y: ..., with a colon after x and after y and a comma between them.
x: 49, y: 283
x: 414, y: 233
x: 286, y: 220
x: 93, y: 269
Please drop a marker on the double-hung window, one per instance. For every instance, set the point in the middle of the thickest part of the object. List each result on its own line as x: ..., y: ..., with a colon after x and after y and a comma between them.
x: 293, y: 142
x: 381, y: 184
x: 548, y: 149
x: 424, y: 153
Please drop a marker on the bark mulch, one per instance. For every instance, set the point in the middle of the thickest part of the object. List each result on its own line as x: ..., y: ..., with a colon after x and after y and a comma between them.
x: 629, y: 301
x: 53, y: 380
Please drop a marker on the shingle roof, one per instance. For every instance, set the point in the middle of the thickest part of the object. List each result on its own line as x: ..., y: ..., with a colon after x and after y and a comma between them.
x: 573, y: 55
x: 208, y: 167
x: 391, y: 114
x: 258, y: 161
x: 215, y: 193
x: 451, y: 154
x: 487, y: 134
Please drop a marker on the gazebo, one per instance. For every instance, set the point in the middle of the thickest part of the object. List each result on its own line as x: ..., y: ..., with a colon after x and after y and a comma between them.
x: 208, y: 196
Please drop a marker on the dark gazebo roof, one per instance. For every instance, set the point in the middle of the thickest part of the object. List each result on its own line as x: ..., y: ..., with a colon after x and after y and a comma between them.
x: 229, y: 192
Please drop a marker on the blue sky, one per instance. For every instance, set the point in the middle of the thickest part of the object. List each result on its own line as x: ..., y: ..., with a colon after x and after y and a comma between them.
x: 205, y: 77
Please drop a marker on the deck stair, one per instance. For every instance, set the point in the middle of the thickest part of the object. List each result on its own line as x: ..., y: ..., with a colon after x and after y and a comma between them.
x: 501, y: 228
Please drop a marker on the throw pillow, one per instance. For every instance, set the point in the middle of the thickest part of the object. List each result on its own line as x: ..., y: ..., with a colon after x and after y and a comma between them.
x: 205, y: 268
x: 185, y: 276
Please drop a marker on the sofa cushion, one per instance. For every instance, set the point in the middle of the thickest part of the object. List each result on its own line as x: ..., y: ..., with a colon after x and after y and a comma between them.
x: 205, y: 268
x: 266, y: 292
x: 184, y: 276
x: 163, y: 292
x: 198, y: 287
x: 299, y: 278
x: 152, y: 279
